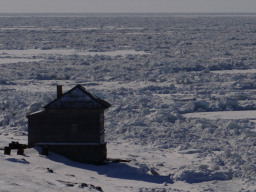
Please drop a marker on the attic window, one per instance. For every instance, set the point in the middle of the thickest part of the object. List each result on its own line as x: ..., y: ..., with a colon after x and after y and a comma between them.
x: 74, y: 129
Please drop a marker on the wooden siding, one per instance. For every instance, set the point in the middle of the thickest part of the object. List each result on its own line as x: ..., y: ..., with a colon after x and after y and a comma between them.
x: 66, y: 126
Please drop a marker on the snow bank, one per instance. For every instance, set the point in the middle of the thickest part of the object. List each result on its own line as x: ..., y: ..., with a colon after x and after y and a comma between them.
x: 191, y: 176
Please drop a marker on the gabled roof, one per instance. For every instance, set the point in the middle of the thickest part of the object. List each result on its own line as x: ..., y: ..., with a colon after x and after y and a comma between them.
x: 78, y: 98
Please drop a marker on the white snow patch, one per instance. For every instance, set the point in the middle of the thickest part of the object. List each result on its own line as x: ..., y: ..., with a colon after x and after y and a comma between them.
x: 235, y: 71
x: 223, y: 115
x: 17, y: 60
x: 33, y: 52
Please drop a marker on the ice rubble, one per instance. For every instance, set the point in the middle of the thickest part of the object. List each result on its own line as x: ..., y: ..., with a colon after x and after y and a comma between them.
x: 150, y: 93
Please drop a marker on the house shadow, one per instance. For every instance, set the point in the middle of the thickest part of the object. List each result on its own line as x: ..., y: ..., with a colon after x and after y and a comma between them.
x: 119, y: 170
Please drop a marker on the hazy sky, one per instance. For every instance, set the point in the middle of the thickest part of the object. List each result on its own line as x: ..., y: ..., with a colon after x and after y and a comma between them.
x: 87, y: 6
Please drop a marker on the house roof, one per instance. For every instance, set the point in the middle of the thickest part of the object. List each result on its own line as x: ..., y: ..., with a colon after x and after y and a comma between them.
x: 78, y: 98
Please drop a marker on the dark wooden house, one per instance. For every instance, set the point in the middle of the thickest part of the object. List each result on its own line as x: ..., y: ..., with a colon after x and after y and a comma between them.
x: 71, y: 125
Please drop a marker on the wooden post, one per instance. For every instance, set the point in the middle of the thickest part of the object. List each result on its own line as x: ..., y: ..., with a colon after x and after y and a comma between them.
x: 45, y: 150
x: 59, y: 91
x: 20, y: 151
x: 7, y: 150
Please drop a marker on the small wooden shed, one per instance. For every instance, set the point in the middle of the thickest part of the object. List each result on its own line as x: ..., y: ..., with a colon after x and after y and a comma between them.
x: 71, y: 125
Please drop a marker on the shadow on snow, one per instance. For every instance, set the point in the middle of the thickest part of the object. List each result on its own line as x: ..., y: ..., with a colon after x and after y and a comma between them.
x: 115, y: 170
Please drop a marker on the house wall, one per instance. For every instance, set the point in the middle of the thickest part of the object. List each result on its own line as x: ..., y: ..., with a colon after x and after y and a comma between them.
x: 85, y: 126
x: 82, y: 153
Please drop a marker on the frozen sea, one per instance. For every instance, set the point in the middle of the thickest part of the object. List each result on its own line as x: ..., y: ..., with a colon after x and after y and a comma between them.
x: 182, y: 89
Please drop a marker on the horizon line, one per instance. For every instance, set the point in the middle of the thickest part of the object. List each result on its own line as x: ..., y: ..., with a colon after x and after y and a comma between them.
x: 199, y: 12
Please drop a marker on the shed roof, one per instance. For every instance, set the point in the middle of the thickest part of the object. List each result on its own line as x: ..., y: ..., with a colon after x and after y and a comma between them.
x: 78, y: 98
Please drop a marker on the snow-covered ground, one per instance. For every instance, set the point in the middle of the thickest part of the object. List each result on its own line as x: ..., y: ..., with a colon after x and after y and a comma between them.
x: 182, y: 90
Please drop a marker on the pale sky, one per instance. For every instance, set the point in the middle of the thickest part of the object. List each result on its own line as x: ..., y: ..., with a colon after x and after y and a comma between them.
x: 117, y: 6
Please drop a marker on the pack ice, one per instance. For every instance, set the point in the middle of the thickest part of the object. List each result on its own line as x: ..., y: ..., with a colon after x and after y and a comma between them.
x: 182, y: 89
